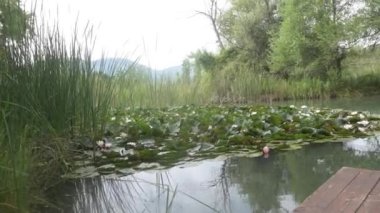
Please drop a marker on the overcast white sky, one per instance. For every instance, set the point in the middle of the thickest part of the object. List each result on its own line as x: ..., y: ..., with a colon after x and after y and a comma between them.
x: 161, y: 32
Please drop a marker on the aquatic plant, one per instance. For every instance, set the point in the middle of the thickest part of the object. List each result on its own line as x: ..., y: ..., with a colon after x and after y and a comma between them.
x: 50, y: 95
x: 188, y: 132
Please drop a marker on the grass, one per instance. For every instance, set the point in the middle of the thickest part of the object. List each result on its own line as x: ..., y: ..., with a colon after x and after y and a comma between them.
x: 245, y: 88
x: 237, y: 85
x: 50, y: 94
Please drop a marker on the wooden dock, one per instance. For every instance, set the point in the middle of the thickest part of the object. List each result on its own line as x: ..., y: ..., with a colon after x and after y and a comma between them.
x: 349, y: 190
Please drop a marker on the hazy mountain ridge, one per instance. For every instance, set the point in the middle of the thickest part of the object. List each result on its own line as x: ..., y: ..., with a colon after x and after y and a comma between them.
x: 108, y: 65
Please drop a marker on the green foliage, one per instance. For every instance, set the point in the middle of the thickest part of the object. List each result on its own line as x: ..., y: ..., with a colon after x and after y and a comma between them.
x: 247, y: 26
x: 14, y: 21
x: 49, y: 95
x: 308, y: 38
x: 285, y: 48
x: 292, y: 38
x: 194, y: 132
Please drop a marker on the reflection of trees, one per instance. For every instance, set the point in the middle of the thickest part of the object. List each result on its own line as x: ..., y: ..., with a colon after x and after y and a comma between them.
x: 310, y: 167
x: 222, y: 183
x: 297, y: 173
x: 260, y: 179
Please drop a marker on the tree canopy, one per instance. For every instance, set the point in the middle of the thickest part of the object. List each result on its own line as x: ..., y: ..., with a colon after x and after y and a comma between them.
x: 295, y: 38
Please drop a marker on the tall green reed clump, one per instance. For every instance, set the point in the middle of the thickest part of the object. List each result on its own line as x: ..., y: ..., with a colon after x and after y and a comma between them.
x: 238, y: 84
x: 146, y: 88
x: 50, y: 93
x: 361, y: 73
x: 252, y: 87
x: 143, y: 89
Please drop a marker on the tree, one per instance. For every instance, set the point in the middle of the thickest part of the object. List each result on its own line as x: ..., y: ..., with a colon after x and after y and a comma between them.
x: 14, y: 25
x: 370, y: 22
x: 213, y: 14
x: 247, y: 25
x: 14, y: 21
x: 314, y: 37
x: 186, y: 71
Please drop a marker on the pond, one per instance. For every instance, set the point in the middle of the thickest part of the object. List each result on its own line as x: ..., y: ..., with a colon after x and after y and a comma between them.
x: 370, y: 103
x: 277, y: 183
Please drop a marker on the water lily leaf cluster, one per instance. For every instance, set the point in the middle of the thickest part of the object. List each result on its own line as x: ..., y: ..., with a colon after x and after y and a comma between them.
x: 170, y: 134
x: 241, y: 125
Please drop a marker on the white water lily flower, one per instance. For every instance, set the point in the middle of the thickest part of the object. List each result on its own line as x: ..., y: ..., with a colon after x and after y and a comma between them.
x: 320, y: 161
x: 107, y: 145
x: 364, y: 122
x: 122, y: 152
x: 210, y: 127
x: 303, y: 107
x: 130, y: 152
x: 348, y: 126
x: 127, y: 120
x: 253, y: 113
x: 361, y: 116
x: 317, y: 111
x: 361, y: 129
x: 292, y: 106
x: 100, y: 143
x: 234, y: 126
x: 354, y: 113
x: 133, y: 144
x: 113, y: 118
x: 267, y: 133
x: 123, y: 135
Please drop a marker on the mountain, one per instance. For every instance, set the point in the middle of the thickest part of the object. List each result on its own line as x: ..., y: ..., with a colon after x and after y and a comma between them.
x: 109, y: 65
x: 173, y: 71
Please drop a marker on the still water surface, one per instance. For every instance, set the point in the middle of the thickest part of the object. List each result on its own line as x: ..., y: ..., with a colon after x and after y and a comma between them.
x: 238, y: 184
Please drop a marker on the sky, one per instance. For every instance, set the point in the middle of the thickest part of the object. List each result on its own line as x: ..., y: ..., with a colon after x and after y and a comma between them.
x: 160, y: 32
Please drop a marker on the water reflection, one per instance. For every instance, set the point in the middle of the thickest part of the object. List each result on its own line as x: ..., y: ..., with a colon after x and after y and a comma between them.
x: 364, y: 146
x: 275, y: 184
x: 370, y: 103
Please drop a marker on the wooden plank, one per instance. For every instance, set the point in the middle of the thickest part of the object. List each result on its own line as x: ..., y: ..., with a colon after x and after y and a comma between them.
x: 372, y: 203
x: 351, y: 198
x: 325, y: 194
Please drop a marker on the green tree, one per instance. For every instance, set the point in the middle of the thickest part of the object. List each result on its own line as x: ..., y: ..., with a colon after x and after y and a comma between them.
x: 186, y: 70
x: 315, y: 36
x: 14, y: 25
x: 247, y: 26
x: 285, y: 54
x: 14, y: 21
x: 370, y: 22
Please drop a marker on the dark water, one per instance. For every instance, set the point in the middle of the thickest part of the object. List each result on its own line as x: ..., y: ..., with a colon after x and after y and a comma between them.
x: 238, y: 184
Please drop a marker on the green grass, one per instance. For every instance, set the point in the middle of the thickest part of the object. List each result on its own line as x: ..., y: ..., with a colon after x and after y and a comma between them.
x: 49, y: 95
x: 237, y: 85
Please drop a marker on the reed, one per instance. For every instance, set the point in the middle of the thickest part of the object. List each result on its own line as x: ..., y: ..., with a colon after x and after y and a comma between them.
x: 50, y: 93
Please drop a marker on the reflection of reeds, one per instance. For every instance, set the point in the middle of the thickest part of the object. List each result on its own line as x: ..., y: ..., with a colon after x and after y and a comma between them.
x: 100, y: 195
x: 127, y: 195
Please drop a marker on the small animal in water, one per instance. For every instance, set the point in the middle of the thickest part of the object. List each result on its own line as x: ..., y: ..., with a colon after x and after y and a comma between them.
x: 266, y: 150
